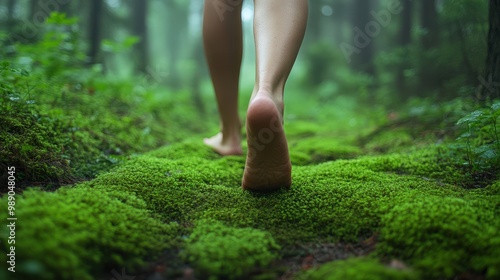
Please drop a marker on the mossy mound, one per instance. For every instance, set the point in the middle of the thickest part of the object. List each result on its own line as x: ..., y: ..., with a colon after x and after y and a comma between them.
x: 342, y: 200
x: 321, y: 149
x: 358, y: 269
x: 79, y: 233
x: 443, y: 236
x: 221, y: 251
x: 26, y: 144
x: 190, y: 148
x: 389, y: 140
x: 438, y: 228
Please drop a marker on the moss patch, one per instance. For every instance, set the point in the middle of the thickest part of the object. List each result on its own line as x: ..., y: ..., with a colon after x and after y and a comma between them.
x: 221, y: 251
x: 443, y: 236
x: 358, y: 269
x: 339, y: 200
x: 321, y: 149
x: 407, y: 199
x: 79, y: 233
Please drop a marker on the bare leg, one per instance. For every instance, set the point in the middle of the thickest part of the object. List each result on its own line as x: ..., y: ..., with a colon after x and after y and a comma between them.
x: 279, y: 27
x: 222, y: 38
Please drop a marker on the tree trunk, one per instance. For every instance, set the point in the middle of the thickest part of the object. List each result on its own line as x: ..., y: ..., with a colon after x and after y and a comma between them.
x: 140, y: 29
x: 429, y: 22
x: 429, y: 40
x: 95, y: 30
x: 10, y: 9
x: 176, y: 27
x: 404, y: 41
x: 11, y: 4
x: 314, y: 22
x: 66, y: 8
x: 490, y: 83
x: 338, y: 19
x: 363, y: 60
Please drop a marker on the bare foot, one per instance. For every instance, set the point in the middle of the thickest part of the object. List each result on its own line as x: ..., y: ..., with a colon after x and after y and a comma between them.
x: 268, y: 164
x: 225, y: 147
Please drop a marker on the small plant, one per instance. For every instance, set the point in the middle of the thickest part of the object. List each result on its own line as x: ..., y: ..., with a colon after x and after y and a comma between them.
x: 479, y: 143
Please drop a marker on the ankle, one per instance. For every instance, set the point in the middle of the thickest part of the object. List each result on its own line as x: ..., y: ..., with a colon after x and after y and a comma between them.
x: 231, y: 135
x: 276, y: 97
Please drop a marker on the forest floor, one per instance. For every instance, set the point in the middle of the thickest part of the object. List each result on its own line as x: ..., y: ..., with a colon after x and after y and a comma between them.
x: 384, y: 206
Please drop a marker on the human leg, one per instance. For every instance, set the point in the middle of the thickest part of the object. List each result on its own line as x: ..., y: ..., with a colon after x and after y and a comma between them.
x: 222, y: 38
x: 279, y: 27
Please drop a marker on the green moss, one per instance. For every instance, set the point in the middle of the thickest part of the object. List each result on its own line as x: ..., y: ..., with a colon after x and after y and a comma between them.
x: 26, y: 144
x: 338, y: 200
x: 442, y: 236
x: 358, y: 269
x: 389, y: 140
x: 425, y: 162
x: 300, y: 129
x: 322, y: 149
x: 494, y: 188
x: 299, y: 158
x: 402, y: 196
x: 216, y: 250
x: 192, y: 148
x: 80, y: 233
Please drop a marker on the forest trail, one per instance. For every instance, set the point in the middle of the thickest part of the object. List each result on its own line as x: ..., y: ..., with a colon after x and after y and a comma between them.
x: 181, y: 209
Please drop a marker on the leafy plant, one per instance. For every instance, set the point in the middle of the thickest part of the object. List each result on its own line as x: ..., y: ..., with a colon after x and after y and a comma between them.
x: 61, y: 120
x: 479, y: 143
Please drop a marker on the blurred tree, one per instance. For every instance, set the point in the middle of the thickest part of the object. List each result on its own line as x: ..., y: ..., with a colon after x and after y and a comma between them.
x: 176, y: 28
x: 339, y: 18
x: 95, y: 17
x: 363, y: 61
x: 314, y: 21
x: 316, y: 49
x: 404, y: 41
x: 10, y: 8
x: 10, y: 14
x: 490, y: 86
x: 67, y: 8
x: 140, y: 29
x: 429, y: 23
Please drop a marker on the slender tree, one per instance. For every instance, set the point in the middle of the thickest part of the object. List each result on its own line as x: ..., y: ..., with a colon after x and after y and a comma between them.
x: 95, y: 17
x: 140, y: 29
x: 490, y: 83
x: 176, y: 22
x: 363, y: 61
x: 429, y: 23
x: 11, y: 4
x: 404, y: 40
x: 10, y: 9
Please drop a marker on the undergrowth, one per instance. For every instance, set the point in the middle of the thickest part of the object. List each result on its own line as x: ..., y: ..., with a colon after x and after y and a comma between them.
x: 63, y: 123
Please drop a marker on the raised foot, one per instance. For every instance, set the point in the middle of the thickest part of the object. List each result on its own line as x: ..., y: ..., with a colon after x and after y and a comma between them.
x: 268, y: 164
x: 224, y: 147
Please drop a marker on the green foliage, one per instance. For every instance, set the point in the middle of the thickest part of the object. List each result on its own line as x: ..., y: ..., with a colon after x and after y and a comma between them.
x: 357, y: 269
x: 27, y: 140
x: 78, y: 233
x: 216, y: 250
x: 58, y: 54
x: 449, y: 66
x: 63, y: 121
x: 116, y: 47
x: 26, y: 144
x: 478, y: 147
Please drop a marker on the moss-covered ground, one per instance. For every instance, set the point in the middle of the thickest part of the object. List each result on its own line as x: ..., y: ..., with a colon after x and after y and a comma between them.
x: 392, y: 207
